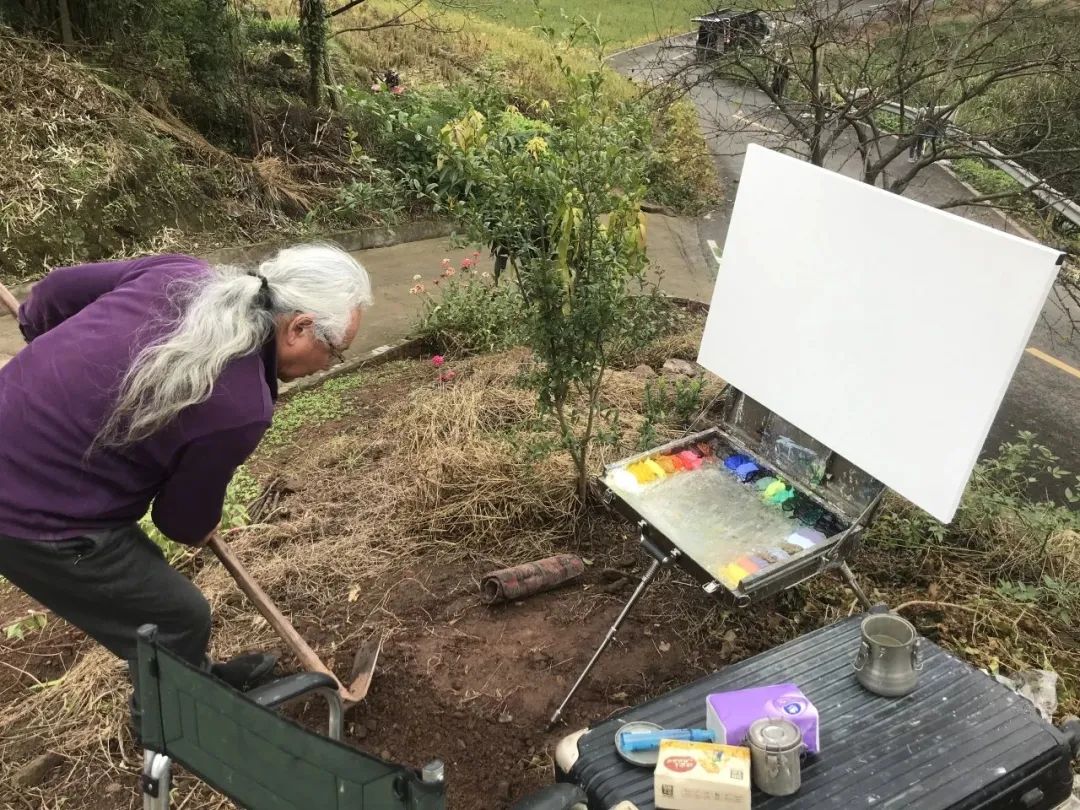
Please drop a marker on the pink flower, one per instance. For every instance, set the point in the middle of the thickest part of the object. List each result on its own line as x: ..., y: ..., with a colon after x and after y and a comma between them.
x: 467, y: 263
x: 449, y: 271
x: 438, y: 360
x: 376, y: 87
x: 447, y: 375
x: 416, y: 289
x: 397, y: 91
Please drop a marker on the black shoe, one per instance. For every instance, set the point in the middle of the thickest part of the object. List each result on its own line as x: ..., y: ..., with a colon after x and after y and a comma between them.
x: 245, y: 671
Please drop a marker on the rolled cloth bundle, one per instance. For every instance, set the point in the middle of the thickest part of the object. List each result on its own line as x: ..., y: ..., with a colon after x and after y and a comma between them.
x: 523, y: 580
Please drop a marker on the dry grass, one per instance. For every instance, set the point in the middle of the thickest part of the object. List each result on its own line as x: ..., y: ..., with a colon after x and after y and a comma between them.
x: 87, y: 172
x: 441, y: 46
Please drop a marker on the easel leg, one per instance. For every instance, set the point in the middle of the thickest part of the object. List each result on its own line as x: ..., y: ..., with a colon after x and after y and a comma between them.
x: 646, y: 579
x: 849, y: 578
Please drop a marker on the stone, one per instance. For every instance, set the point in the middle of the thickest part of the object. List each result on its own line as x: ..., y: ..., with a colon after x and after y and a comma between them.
x: 683, y: 367
x: 644, y: 372
x: 283, y: 59
x: 34, y: 772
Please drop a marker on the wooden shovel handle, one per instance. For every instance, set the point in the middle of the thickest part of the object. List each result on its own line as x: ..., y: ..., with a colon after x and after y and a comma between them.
x: 9, y: 302
x: 268, y: 609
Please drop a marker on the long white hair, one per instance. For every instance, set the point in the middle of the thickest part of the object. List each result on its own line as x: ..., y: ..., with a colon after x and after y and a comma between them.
x: 228, y: 313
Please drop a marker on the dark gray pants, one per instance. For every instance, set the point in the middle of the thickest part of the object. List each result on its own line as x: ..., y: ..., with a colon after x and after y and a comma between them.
x: 109, y: 584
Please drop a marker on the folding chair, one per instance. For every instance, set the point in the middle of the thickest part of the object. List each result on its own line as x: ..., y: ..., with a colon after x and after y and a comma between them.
x: 235, y: 742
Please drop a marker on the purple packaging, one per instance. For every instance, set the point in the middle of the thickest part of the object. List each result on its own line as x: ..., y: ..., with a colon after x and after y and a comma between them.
x: 730, y: 714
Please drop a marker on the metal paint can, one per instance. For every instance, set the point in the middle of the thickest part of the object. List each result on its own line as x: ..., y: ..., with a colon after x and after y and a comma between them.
x: 776, y: 747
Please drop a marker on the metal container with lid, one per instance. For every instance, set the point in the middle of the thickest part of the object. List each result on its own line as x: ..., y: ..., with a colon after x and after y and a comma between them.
x: 776, y: 747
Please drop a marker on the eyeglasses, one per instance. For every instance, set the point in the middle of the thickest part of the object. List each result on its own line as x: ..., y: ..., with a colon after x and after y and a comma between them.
x: 337, y: 354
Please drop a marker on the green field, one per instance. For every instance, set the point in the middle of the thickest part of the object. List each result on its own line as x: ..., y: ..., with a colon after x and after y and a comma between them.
x: 619, y: 22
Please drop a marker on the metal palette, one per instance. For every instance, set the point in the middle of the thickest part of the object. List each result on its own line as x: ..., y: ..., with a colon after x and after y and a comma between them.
x: 727, y: 536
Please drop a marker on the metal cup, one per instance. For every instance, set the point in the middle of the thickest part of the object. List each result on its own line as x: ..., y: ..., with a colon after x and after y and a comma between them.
x: 888, y: 661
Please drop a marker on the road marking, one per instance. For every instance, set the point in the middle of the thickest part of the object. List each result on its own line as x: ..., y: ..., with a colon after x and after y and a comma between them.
x: 715, y: 249
x: 744, y: 119
x: 1061, y: 364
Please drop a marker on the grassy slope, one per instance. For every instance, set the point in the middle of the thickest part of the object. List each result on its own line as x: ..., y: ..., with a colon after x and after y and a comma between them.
x: 620, y: 23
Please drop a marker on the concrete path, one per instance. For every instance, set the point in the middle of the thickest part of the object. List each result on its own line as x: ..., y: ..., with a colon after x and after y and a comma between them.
x: 673, y: 246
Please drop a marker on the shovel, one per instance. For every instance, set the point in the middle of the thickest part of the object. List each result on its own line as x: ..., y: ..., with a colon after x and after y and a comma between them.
x: 366, y: 657
x: 363, y: 663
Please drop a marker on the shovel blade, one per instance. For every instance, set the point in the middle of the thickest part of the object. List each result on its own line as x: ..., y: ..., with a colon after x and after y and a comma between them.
x: 363, y: 669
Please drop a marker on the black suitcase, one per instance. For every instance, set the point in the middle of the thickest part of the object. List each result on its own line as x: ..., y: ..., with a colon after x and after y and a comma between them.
x: 960, y: 741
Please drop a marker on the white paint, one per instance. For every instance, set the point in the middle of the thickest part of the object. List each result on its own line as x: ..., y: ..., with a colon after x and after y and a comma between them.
x: 886, y: 329
x: 757, y: 124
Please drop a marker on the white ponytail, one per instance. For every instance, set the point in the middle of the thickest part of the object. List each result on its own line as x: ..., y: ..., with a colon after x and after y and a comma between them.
x: 230, y: 313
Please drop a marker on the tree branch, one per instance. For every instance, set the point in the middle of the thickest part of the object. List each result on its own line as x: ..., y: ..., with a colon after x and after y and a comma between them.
x: 346, y: 7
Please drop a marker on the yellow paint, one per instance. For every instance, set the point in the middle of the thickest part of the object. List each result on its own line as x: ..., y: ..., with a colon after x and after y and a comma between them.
x: 775, y: 488
x: 655, y: 468
x: 1053, y: 361
x: 732, y: 574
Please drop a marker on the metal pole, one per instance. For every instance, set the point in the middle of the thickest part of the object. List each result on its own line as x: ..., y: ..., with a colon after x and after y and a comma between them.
x: 849, y: 577
x: 646, y: 579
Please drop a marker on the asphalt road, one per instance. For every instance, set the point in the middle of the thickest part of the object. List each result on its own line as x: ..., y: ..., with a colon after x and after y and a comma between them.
x: 1044, y: 396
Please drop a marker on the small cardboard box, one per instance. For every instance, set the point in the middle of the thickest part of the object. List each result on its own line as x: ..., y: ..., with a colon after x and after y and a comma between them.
x: 729, y: 715
x: 701, y: 776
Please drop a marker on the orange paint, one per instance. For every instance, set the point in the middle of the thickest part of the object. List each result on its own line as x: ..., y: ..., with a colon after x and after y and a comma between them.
x: 666, y: 464
x: 745, y: 562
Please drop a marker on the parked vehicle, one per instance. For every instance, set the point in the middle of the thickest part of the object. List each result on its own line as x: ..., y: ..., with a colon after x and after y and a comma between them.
x: 727, y: 29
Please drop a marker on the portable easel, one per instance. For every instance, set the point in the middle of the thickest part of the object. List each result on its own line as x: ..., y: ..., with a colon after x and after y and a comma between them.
x: 841, y: 490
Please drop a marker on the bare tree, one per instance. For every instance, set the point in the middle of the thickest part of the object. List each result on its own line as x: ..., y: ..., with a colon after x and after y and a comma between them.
x: 316, y: 29
x: 902, y: 85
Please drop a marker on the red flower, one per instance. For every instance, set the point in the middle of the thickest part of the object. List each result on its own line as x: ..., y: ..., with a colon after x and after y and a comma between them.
x: 438, y: 360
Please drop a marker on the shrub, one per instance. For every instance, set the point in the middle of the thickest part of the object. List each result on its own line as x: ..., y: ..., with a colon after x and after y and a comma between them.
x: 562, y: 205
x: 275, y: 31
x: 470, y: 313
x: 1018, y: 535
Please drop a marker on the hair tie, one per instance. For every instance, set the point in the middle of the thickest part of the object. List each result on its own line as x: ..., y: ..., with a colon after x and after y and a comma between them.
x: 263, y: 298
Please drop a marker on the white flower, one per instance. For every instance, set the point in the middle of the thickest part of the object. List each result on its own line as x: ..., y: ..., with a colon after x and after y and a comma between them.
x: 417, y: 277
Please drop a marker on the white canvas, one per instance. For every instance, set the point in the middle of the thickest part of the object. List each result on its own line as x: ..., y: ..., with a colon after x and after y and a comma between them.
x: 886, y: 329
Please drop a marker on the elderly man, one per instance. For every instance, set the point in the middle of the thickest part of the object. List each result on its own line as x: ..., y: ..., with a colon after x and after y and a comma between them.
x: 145, y: 382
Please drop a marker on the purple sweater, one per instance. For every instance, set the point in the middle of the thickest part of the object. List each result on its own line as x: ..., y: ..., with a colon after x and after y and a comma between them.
x: 86, y: 324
